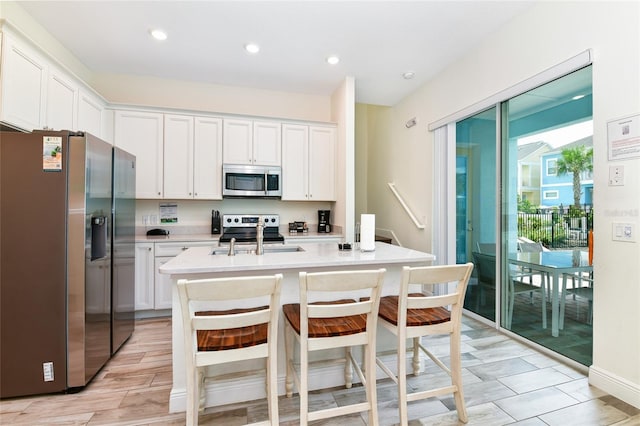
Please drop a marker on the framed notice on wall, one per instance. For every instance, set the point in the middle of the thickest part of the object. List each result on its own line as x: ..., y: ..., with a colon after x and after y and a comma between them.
x: 623, y: 138
x: 168, y: 213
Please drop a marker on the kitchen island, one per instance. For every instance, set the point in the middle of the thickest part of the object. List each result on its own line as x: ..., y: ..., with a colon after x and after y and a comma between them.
x: 199, y: 262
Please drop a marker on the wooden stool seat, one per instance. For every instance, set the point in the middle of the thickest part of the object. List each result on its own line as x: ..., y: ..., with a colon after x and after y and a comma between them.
x: 232, y: 338
x: 415, y: 317
x: 326, y: 327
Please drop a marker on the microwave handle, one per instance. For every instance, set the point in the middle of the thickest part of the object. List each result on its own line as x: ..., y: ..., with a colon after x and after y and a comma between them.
x: 266, y: 183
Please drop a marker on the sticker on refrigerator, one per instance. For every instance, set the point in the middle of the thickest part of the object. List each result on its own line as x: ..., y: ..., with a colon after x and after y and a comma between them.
x: 52, y: 153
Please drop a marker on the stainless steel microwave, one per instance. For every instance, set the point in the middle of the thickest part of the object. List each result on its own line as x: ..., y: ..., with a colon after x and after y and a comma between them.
x: 251, y: 181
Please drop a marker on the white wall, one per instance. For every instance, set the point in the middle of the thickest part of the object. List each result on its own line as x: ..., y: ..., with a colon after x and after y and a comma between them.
x: 343, y: 112
x: 163, y: 93
x: 543, y: 36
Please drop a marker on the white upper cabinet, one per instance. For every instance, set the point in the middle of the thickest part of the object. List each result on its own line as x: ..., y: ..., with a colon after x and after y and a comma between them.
x: 37, y: 94
x: 267, y: 143
x: 141, y: 134
x: 308, y: 163
x: 90, y: 114
x: 62, y: 101
x: 238, y: 141
x: 24, y: 83
x: 192, y: 157
x: 295, y: 162
x: 322, y: 163
x: 252, y: 142
x: 178, y: 156
x: 207, y: 162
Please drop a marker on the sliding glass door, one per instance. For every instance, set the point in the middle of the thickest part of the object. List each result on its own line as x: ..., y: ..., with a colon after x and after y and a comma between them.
x: 523, y: 213
x: 476, y: 207
x: 547, y: 183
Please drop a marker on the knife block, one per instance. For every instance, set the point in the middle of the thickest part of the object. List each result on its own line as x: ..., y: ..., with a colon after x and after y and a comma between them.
x: 215, y: 225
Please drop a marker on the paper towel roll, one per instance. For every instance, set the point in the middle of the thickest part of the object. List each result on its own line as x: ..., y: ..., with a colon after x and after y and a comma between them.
x: 368, y: 232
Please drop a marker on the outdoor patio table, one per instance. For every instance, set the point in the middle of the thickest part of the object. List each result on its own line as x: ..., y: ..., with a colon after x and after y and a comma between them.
x: 556, y: 263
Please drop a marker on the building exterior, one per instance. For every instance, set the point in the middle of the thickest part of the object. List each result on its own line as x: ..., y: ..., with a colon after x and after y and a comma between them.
x: 556, y: 189
x: 529, y: 171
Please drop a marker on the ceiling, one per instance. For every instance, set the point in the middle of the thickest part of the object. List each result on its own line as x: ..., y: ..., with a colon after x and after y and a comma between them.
x: 377, y: 41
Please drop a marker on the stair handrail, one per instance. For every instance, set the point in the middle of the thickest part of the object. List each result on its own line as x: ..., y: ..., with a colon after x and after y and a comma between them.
x: 415, y: 220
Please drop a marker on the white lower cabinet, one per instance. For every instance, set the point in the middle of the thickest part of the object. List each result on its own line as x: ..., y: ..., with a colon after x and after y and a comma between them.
x: 144, y: 276
x: 153, y: 289
x: 162, y: 286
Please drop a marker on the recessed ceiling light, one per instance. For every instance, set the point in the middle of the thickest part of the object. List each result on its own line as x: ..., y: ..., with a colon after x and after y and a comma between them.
x: 333, y: 59
x: 252, y: 48
x: 408, y: 75
x: 158, y: 34
x: 576, y: 97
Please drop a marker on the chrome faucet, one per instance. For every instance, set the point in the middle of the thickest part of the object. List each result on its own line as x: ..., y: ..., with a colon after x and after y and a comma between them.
x: 232, y: 247
x: 260, y: 236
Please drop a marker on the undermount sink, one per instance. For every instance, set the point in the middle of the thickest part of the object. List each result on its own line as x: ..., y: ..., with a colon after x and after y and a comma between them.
x: 252, y: 249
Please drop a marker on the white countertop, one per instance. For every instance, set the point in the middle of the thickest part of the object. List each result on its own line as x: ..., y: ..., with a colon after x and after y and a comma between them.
x: 200, y: 260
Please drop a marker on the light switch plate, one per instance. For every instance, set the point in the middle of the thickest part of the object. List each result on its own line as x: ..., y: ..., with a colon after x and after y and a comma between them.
x: 624, y: 232
x: 616, y: 175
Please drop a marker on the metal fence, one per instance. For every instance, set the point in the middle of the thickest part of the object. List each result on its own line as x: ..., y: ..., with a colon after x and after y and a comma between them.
x: 558, y: 227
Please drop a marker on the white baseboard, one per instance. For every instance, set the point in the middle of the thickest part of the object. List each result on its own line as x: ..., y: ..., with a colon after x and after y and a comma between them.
x: 614, y: 385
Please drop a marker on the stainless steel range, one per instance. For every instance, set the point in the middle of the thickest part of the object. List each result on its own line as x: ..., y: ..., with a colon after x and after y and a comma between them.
x: 242, y: 227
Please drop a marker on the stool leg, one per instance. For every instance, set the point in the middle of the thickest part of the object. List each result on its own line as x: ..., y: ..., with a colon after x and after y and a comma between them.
x: 456, y: 375
x: 304, y: 383
x: 416, y: 356
x: 402, y: 380
x: 370, y: 375
x: 272, y: 384
x: 288, y: 351
x: 193, y: 399
x: 348, y: 372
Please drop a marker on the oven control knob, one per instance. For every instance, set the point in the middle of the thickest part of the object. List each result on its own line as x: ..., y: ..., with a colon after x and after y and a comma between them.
x: 228, y: 220
x: 236, y: 220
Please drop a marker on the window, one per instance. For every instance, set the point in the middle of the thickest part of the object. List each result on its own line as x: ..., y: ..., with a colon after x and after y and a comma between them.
x: 551, y: 195
x: 552, y: 167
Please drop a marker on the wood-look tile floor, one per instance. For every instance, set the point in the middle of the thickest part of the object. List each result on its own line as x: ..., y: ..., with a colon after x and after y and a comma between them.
x: 506, y: 382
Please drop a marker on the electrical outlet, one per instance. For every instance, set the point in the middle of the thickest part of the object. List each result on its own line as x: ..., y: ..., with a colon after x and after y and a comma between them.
x: 47, y: 369
x: 616, y: 175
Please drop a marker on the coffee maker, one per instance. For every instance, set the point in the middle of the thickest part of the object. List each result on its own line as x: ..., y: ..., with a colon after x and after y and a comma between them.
x: 324, y: 217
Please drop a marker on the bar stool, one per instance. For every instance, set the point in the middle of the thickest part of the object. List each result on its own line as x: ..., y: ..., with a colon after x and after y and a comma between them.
x: 411, y: 316
x: 324, y: 319
x: 214, y: 337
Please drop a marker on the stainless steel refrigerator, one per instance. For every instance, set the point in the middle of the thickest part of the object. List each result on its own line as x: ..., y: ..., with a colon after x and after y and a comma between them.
x: 56, y: 217
x: 123, y: 254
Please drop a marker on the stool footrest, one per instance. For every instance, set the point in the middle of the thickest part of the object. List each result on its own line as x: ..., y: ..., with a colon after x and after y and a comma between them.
x: 431, y: 393
x: 338, y: 411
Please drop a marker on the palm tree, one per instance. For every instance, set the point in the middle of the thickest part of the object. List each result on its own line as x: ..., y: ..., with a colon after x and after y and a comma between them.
x: 575, y: 160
